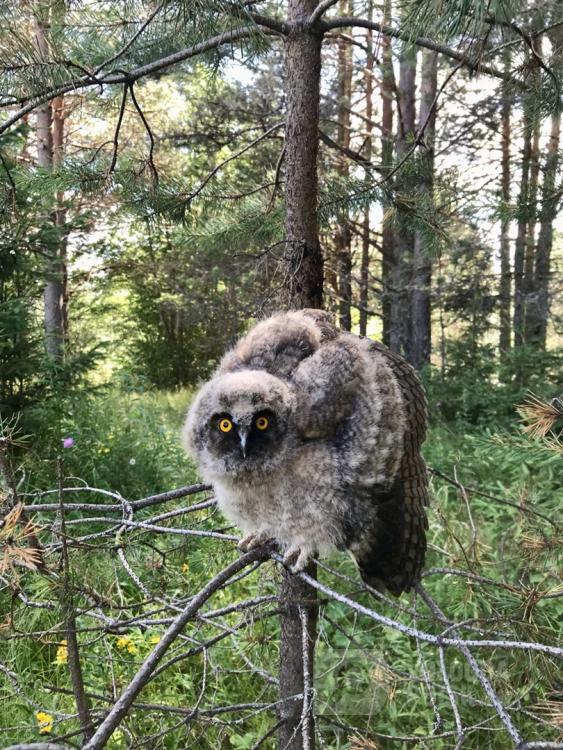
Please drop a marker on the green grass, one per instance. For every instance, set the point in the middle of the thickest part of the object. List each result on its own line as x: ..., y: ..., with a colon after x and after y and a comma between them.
x: 129, y: 443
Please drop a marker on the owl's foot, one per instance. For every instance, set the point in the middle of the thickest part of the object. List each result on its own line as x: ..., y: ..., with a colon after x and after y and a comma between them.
x: 254, y: 539
x: 297, y: 559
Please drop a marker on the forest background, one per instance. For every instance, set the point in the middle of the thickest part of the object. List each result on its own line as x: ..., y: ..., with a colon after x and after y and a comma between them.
x: 158, y: 194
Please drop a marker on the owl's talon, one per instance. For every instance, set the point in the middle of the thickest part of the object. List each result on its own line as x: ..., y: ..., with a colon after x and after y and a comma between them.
x: 252, y: 540
x: 301, y: 562
x: 297, y: 559
x: 291, y: 556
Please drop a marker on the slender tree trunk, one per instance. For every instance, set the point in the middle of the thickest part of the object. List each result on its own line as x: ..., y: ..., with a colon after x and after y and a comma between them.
x: 505, y: 275
x: 520, y: 244
x: 539, y: 312
x: 400, y: 333
x: 303, y: 288
x: 53, y: 292
x: 343, y: 237
x: 420, y: 344
x: 58, y: 113
x: 530, y: 245
x: 304, y: 261
x: 364, y: 266
x: 387, y: 239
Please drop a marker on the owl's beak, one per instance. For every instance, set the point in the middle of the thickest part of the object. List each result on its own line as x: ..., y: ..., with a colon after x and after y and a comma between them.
x: 243, y: 436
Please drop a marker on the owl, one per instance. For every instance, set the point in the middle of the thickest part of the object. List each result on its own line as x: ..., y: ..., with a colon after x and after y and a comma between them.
x: 311, y: 436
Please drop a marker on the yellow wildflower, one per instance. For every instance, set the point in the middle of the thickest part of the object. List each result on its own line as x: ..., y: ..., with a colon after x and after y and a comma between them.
x: 62, y: 653
x: 126, y: 644
x: 185, y: 568
x: 154, y: 639
x: 45, y: 722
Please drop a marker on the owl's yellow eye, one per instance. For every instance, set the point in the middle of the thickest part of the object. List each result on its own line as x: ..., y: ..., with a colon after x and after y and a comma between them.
x: 225, y: 425
x: 262, y: 423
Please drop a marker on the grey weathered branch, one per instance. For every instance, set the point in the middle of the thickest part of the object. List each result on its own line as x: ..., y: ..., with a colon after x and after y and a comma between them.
x: 144, y: 502
x: 144, y: 673
x: 172, y: 612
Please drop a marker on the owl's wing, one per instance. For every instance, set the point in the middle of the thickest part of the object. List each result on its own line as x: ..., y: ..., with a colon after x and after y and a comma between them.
x: 323, y: 321
x: 325, y: 385
x: 395, y: 556
x: 280, y: 343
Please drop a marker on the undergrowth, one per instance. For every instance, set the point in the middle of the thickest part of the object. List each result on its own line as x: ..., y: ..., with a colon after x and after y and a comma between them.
x: 365, y: 688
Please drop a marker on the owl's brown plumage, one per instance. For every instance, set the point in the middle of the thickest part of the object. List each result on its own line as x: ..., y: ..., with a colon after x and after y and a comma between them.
x: 312, y: 436
x: 409, y: 494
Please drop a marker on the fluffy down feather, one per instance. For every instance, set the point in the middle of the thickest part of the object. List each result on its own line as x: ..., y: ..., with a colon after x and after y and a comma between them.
x: 338, y: 463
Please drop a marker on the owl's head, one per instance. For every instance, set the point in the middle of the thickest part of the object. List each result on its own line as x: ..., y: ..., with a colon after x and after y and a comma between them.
x: 241, y: 423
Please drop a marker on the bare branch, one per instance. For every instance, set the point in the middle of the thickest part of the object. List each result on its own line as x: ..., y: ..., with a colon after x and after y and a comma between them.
x: 241, y: 151
x: 118, y: 128
x: 144, y: 673
x: 319, y: 11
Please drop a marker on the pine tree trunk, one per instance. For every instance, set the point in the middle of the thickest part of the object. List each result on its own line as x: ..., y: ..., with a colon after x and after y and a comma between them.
x: 387, y: 239
x: 304, y: 262
x: 365, y: 261
x: 505, y: 275
x: 400, y: 332
x: 520, y: 244
x: 53, y: 292
x: 58, y: 113
x: 343, y: 237
x: 303, y: 288
x: 528, y: 281
x: 539, y: 313
x: 420, y: 344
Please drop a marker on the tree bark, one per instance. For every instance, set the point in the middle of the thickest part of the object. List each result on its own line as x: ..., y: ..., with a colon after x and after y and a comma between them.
x: 539, y: 311
x: 520, y: 244
x: 58, y: 115
x: 365, y: 261
x: 420, y: 338
x: 53, y: 291
x: 343, y: 237
x: 296, y: 598
x: 303, y: 285
x: 387, y: 238
x: 528, y: 281
x: 400, y: 332
x: 303, y: 288
x: 505, y: 286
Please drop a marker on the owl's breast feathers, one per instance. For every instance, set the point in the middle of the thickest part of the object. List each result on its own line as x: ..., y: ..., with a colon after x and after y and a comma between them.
x: 361, y: 413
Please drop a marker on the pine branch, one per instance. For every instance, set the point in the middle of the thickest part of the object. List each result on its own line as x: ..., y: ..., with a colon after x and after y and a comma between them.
x: 474, y: 65
x: 136, y: 74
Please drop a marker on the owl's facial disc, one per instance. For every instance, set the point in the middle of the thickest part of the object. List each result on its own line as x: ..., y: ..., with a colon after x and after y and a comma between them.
x: 241, y: 425
x: 247, y: 436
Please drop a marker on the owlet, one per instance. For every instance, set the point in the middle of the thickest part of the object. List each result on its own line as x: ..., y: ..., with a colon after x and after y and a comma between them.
x: 312, y: 436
